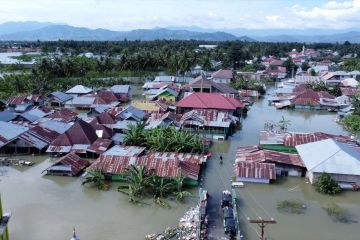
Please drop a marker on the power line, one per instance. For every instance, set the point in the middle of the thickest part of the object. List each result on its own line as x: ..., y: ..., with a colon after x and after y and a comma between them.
x: 262, y: 223
x: 254, y: 198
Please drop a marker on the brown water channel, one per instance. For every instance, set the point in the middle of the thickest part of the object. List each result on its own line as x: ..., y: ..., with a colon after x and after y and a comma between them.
x: 49, y: 207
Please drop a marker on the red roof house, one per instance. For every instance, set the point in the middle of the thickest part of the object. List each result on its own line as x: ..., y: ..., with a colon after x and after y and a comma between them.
x: 208, y: 101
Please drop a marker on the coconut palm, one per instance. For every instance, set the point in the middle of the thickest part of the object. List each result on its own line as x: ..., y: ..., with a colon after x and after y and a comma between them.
x: 284, y: 124
x: 96, y: 178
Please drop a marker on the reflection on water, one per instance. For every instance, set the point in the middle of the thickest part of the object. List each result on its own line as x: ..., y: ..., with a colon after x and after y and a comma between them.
x: 49, y: 207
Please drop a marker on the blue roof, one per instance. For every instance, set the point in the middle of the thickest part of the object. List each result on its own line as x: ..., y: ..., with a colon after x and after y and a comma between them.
x: 62, y: 97
x: 120, y: 88
x: 33, y: 115
x: 56, y: 126
x: 132, y: 111
x: 7, y: 116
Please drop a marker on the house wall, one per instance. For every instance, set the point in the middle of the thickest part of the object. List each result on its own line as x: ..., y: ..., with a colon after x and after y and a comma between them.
x: 167, y: 98
x: 338, y: 177
x: 307, y: 107
x: 288, y: 171
x: 252, y: 180
x: 222, y: 80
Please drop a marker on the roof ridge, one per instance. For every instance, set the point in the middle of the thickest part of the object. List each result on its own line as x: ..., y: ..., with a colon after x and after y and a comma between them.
x: 201, y: 100
x: 329, y: 156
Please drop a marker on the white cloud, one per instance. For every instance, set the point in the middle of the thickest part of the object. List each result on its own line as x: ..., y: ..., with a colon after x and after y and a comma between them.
x: 338, y: 5
x: 126, y: 15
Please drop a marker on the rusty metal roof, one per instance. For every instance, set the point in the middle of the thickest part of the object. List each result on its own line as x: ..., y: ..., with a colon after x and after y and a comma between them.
x: 124, y: 151
x: 255, y: 170
x: 271, y: 137
x: 76, y: 163
x: 100, y: 145
x: 39, y: 137
x: 255, y: 154
x: 163, y: 164
x: 63, y: 115
x: 294, y: 139
x: 17, y: 100
x: 111, y: 164
x: 207, y: 117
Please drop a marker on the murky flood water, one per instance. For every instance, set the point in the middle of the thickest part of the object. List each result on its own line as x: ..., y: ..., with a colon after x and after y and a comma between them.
x: 49, y: 207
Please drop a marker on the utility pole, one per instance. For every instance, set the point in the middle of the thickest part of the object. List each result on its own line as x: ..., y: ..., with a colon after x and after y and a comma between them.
x: 262, y: 224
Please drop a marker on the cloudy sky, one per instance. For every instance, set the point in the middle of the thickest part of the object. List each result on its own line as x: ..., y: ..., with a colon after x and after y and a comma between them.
x: 220, y: 14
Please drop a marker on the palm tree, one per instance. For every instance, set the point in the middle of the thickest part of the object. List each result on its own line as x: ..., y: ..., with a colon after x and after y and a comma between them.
x: 180, y: 193
x: 96, y: 178
x: 135, y: 134
x: 284, y: 124
x: 135, y: 180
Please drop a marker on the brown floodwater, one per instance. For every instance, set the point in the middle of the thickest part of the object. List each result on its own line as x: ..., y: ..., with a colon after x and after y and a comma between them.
x: 48, y: 207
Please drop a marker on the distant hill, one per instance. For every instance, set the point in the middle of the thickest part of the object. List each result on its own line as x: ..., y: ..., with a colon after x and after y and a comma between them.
x: 44, y: 31
x: 32, y: 31
x: 353, y: 37
x: 14, y: 27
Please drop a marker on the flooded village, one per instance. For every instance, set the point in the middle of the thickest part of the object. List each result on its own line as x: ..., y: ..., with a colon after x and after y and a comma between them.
x: 213, y: 153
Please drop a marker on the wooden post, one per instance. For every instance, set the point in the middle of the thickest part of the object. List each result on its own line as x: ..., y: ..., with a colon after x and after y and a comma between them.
x: 262, y: 224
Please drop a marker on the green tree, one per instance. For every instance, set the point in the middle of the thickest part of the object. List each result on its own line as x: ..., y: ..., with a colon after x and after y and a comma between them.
x: 96, y: 178
x: 327, y: 185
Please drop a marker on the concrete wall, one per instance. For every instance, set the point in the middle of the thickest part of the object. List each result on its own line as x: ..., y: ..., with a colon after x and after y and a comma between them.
x: 338, y: 177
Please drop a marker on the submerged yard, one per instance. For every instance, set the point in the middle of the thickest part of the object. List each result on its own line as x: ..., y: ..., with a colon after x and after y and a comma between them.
x: 49, y: 207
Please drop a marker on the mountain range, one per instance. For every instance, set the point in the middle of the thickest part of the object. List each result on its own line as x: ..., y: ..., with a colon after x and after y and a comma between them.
x: 46, y: 31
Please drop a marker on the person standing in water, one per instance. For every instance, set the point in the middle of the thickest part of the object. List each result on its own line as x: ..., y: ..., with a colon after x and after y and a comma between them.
x: 221, y: 159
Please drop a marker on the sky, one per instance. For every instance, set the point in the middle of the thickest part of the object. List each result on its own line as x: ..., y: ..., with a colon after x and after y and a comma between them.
x: 214, y: 14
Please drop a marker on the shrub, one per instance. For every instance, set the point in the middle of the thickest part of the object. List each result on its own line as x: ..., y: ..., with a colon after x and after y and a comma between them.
x: 291, y: 206
x: 326, y: 184
x: 336, y: 212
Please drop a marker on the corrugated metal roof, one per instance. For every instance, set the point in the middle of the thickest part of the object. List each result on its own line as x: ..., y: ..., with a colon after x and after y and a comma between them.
x: 293, y: 139
x: 7, y: 116
x: 132, y: 111
x: 223, y: 73
x: 39, y: 137
x: 255, y: 154
x: 209, y: 101
x: 82, y: 100
x: 9, y: 131
x: 60, y: 96
x: 76, y: 163
x: 125, y: 151
x: 164, y: 164
x: 208, y: 117
x: 120, y: 88
x: 33, y: 115
x: 63, y: 115
x: 255, y: 170
x: 111, y: 164
x: 270, y: 137
x: 57, y: 126
x: 79, y: 133
x: 79, y: 89
x: 330, y: 156
x: 100, y: 145
x: 17, y: 100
